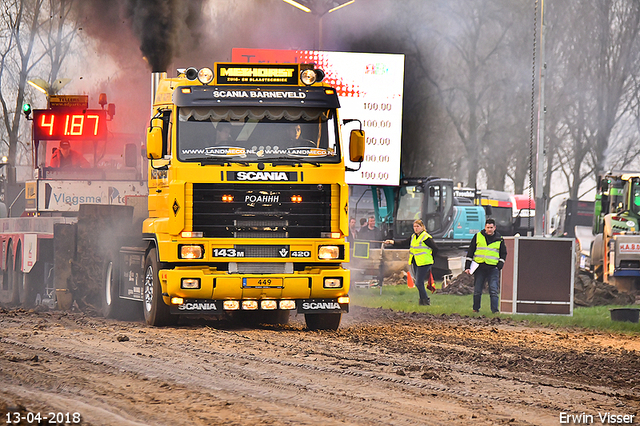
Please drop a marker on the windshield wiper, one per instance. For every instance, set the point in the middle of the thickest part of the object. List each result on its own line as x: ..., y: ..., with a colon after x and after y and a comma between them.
x: 206, y: 161
x: 277, y: 161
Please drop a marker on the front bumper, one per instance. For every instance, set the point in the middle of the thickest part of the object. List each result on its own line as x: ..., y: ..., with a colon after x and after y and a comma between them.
x: 216, y: 285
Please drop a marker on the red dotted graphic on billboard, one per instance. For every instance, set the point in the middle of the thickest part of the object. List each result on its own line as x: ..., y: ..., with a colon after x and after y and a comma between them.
x: 321, y: 61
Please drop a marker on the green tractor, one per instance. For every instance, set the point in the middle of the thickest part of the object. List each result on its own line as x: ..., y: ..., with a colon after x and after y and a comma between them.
x: 615, y: 251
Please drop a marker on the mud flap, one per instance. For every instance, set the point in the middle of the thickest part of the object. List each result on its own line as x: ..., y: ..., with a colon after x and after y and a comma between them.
x: 198, y: 306
x: 321, y: 306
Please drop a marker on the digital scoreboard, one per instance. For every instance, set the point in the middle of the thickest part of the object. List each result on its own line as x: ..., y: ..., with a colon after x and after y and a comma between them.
x: 54, y: 124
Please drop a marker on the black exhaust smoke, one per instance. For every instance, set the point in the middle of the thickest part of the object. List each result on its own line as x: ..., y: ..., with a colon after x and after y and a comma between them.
x: 162, y: 26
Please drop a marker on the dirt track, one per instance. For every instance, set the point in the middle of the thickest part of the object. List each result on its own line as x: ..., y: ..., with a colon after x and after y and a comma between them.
x: 380, y: 368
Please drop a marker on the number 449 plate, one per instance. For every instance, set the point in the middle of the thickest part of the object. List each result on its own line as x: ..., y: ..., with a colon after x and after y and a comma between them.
x: 262, y: 283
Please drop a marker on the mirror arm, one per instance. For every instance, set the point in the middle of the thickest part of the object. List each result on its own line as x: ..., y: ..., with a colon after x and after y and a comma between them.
x: 349, y: 120
x: 349, y: 169
x: 165, y: 167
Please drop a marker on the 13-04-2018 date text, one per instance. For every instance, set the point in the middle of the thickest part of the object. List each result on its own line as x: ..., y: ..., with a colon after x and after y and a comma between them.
x: 53, y: 418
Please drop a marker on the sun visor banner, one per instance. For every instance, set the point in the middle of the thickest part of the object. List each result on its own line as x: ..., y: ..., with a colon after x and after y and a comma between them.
x: 308, y: 97
x: 257, y: 74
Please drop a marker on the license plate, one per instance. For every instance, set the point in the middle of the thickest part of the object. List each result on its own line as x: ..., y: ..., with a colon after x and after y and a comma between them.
x: 262, y: 282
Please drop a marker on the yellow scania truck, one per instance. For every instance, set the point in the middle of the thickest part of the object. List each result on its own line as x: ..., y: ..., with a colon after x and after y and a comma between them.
x: 247, y: 205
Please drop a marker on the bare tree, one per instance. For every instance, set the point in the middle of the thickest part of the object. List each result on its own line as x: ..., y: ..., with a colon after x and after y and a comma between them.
x: 37, y: 37
x: 594, y: 64
x: 58, y: 35
x: 471, y: 34
x: 21, y: 19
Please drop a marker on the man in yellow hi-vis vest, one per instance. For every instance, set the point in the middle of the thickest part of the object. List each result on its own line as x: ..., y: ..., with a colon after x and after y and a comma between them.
x: 422, y: 250
x: 487, y: 254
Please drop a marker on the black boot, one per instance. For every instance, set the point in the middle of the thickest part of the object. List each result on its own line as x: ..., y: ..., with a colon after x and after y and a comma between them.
x: 424, y: 302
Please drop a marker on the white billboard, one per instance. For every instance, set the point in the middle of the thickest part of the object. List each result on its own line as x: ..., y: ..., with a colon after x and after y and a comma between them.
x: 370, y: 87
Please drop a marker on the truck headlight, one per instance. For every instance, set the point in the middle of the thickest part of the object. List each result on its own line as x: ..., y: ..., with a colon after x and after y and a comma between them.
x: 268, y: 304
x: 287, y: 304
x: 188, y: 251
x: 231, y: 305
x: 329, y: 252
x: 332, y: 283
x: 249, y: 305
x: 190, y: 283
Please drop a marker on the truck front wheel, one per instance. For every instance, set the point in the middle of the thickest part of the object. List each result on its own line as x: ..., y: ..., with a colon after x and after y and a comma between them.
x: 156, y: 312
x: 322, y: 321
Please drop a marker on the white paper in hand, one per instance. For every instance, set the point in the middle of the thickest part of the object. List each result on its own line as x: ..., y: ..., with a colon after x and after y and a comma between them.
x: 473, y: 267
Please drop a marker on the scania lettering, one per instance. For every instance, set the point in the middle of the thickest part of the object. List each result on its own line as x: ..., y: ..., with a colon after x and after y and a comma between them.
x: 198, y: 307
x: 262, y: 176
x: 321, y: 305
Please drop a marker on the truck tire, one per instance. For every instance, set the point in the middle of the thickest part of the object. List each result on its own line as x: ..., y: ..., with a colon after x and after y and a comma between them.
x: 110, y: 297
x: 8, y: 277
x: 279, y: 317
x: 33, y: 285
x: 156, y: 312
x: 596, y: 254
x: 112, y: 305
x: 21, y: 292
x: 322, y: 321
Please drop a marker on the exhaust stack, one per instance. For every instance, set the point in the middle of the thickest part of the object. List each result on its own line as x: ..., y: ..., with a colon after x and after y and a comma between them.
x: 155, y: 82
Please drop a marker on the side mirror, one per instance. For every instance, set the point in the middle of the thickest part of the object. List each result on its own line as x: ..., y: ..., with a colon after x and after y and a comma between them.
x: 154, y: 143
x: 432, y: 192
x: 130, y: 155
x: 356, y: 146
x: 488, y: 210
x: 111, y: 110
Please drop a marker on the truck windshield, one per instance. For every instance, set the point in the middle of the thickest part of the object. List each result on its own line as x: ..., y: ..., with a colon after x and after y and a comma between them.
x: 257, y: 134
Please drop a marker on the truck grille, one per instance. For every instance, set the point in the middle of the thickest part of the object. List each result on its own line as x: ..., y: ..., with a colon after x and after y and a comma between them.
x: 263, y: 251
x: 261, y: 210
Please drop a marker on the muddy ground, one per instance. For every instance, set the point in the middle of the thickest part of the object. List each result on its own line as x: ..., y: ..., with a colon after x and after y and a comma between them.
x: 380, y: 368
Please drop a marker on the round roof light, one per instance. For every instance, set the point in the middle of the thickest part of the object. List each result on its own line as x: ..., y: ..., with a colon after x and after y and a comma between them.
x: 191, y: 73
x: 308, y: 77
x: 205, y: 75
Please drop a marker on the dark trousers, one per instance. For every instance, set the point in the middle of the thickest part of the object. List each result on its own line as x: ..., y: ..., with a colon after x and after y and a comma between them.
x: 420, y: 274
x: 480, y: 276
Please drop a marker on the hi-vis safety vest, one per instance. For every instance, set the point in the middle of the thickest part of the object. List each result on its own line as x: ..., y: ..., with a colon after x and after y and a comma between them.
x: 418, y: 249
x: 486, y: 253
